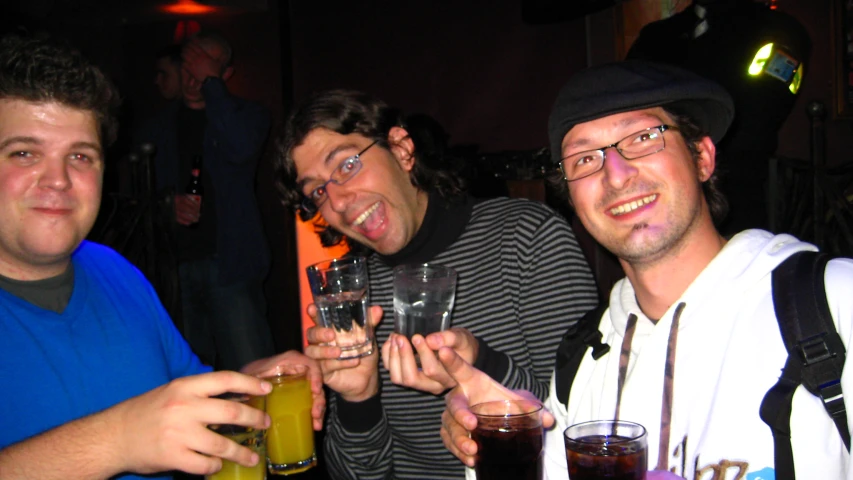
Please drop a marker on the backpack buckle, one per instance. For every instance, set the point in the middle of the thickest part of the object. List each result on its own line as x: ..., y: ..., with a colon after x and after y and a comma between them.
x: 814, y: 349
x: 599, y: 349
x: 833, y: 398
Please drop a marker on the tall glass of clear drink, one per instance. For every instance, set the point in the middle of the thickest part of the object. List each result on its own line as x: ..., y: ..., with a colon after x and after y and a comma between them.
x: 340, y: 290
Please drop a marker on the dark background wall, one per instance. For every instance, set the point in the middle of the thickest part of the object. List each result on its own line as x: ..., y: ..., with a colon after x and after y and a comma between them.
x: 475, y: 66
x: 478, y: 68
x: 819, y: 85
x: 490, y: 78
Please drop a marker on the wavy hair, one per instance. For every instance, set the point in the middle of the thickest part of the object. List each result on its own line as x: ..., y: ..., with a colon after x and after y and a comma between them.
x: 346, y: 112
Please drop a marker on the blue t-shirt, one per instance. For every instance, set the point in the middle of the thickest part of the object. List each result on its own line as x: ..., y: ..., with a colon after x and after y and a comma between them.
x: 113, y: 341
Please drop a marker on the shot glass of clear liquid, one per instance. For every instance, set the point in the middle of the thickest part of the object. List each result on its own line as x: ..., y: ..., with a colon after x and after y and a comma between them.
x: 340, y: 290
x: 423, y: 298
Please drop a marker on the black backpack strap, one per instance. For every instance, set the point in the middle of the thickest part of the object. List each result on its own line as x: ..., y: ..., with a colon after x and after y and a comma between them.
x: 580, y: 336
x: 815, y: 352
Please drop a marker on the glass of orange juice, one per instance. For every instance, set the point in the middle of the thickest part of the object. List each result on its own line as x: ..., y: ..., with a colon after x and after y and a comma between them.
x: 247, y: 437
x: 290, y: 437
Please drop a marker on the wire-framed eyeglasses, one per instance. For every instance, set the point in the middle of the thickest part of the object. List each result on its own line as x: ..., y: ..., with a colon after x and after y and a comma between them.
x: 343, y: 173
x: 636, y: 145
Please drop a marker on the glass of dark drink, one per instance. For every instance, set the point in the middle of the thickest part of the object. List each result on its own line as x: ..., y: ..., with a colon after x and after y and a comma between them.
x: 509, y: 440
x: 610, y: 449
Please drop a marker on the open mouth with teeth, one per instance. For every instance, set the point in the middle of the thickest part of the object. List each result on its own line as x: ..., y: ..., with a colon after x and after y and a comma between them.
x: 364, y: 216
x: 631, y: 206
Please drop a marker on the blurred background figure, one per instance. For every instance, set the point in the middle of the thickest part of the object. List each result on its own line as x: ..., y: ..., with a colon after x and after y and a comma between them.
x: 212, y: 141
x: 759, y: 55
x: 167, y: 74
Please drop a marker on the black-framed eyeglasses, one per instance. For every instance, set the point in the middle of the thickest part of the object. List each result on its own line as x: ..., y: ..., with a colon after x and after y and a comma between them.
x: 343, y: 173
x: 636, y: 145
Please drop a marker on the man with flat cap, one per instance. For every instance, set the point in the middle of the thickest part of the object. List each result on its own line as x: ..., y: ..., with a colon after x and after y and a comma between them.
x: 695, y: 344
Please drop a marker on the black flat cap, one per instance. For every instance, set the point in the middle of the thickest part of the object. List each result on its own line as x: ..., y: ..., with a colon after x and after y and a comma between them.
x: 634, y: 85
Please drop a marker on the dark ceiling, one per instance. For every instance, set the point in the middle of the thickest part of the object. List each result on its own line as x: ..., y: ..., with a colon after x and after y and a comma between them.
x: 107, y: 12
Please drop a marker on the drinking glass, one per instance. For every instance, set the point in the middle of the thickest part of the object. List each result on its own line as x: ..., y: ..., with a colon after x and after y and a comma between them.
x: 246, y: 436
x: 290, y: 437
x: 509, y: 440
x: 606, y: 449
x: 423, y: 298
x: 339, y: 288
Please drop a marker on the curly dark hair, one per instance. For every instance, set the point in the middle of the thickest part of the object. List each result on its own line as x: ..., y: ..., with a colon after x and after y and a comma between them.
x: 692, y: 133
x: 49, y: 70
x: 346, y: 112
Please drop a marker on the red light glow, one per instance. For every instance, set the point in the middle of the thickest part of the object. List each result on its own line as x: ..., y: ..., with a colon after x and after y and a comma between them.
x: 187, y: 7
x: 185, y: 29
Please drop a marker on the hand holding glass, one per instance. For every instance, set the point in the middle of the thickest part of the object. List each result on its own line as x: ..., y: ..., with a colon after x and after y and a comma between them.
x: 339, y: 287
x: 246, y: 436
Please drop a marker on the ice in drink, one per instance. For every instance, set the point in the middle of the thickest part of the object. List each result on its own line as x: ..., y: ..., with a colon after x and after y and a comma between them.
x: 248, y: 437
x: 606, y: 457
x: 606, y: 449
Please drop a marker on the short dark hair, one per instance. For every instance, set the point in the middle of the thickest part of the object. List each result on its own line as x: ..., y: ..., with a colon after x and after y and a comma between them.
x: 346, y: 112
x: 207, y: 37
x: 171, y: 53
x: 49, y: 70
x: 692, y: 133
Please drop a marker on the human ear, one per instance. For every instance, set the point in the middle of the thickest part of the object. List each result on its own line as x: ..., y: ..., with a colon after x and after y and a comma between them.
x: 401, y: 145
x: 706, y: 162
x: 227, y: 73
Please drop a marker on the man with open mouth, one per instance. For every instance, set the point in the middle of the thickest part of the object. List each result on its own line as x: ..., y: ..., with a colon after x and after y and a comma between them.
x: 348, y: 160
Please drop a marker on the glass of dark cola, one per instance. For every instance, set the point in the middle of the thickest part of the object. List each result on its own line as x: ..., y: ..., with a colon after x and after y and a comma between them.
x: 509, y: 440
x: 606, y: 449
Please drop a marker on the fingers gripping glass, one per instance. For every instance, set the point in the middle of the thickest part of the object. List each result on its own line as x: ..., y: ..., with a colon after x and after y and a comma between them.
x: 345, y: 170
x: 637, y: 145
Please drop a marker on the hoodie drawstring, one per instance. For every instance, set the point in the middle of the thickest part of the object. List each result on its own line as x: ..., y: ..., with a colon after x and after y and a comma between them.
x: 669, y: 376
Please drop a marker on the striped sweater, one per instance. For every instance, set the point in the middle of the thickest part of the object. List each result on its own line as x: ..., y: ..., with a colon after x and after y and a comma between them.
x: 522, y: 280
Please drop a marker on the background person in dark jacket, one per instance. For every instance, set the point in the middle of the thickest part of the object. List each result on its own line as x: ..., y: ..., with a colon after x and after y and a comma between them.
x: 220, y: 245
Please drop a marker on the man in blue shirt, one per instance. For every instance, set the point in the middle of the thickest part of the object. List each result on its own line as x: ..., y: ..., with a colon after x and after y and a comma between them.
x: 97, y: 381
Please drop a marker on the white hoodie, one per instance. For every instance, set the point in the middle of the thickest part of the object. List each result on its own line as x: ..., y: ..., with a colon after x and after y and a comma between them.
x: 729, y: 353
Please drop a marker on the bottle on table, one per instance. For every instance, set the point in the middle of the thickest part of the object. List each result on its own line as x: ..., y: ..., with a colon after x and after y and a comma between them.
x: 195, y: 187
